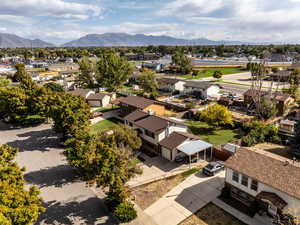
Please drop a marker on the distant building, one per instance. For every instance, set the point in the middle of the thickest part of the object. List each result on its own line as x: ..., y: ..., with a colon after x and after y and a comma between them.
x: 170, y: 85
x: 141, y: 56
x: 202, y: 89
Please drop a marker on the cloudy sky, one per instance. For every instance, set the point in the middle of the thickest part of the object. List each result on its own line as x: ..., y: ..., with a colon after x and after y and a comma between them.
x: 59, y: 21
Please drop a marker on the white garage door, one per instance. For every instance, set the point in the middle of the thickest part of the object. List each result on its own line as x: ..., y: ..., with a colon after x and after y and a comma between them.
x: 166, y: 153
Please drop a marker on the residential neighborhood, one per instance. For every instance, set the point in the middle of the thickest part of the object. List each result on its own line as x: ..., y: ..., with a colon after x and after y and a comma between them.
x: 155, y: 115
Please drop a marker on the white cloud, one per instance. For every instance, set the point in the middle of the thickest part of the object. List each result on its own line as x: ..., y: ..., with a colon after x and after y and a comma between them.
x: 52, y: 8
x: 190, y: 7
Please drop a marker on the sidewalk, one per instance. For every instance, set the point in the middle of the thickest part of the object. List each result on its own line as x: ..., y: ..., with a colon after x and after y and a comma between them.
x: 186, y: 198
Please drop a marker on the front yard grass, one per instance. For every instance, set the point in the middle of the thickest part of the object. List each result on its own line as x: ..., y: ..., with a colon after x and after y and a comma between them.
x: 203, y: 73
x: 215, y: 136
x: 105, y: 125
x: 211, y: 215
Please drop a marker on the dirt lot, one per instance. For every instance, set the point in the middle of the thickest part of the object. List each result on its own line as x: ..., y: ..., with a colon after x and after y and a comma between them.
x: 275, y: 149
x: 146, y: 195
x: 211, y: 215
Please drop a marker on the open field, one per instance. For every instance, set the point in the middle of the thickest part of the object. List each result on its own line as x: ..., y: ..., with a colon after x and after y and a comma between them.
x: 105, y: 125
x: 203, y: 73
x: 214, y: 136
x: 211, y: 215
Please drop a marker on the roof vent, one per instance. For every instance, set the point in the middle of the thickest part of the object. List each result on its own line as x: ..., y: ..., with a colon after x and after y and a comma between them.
x: 286, y: 163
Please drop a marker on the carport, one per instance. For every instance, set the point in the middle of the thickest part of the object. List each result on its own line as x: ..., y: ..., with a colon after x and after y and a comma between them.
x: 191, y: 148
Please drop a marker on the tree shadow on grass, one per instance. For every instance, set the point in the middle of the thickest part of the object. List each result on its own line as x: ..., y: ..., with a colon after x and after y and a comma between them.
x: 90, y: 211
x: 202, y: 130
x: 41, y: 140
x: 54, y: 176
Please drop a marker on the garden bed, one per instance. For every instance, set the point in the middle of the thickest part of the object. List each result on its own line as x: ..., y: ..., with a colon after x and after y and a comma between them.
x: 211, y: 215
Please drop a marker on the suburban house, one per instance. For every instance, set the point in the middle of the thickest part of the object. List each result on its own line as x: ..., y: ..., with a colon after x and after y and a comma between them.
x: 202, y: 89
x: 152, y: 128
x: 184, y: 144
x: 255, y: 177
x: 282, y: 100
x: 98, y: 100
x: 94, y: 99
x: 170, y: 85
x: 132, y: 103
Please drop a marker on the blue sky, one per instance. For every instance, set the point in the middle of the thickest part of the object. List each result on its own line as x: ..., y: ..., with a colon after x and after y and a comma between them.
x: 59, y: 21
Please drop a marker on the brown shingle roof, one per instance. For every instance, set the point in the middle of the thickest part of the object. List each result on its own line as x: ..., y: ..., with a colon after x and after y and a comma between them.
x: 80, y: 92
x: 176, y: 139
x: 136, y: 115
x: 155, y: 124
x: 267, y: 169
x: 136, y: 101
x: 167, y: 81
x: 97, y: 96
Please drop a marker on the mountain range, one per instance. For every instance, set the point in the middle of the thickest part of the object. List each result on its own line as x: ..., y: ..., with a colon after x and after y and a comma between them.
x: 109, y: 39
x: 123, y: 39
x: 14, y: 41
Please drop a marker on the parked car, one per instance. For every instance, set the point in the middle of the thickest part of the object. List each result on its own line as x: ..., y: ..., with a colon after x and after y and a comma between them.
x: 212, y: 168
x: 96, y: 114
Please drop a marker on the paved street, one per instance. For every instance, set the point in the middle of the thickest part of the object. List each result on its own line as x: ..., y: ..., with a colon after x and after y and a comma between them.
x: 67, y: 199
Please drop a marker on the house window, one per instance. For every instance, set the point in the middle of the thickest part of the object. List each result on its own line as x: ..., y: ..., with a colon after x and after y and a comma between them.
x: 150, y: 134
x: 235, y: 176
x: 254, y: 185
x: 245, y: 181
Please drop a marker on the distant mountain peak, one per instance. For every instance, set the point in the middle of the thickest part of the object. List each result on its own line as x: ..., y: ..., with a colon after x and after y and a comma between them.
x: 124, y: 39
x: 13, y: 41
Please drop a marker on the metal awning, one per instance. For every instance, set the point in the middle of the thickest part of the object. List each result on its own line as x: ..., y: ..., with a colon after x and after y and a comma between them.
x: 193, y: 147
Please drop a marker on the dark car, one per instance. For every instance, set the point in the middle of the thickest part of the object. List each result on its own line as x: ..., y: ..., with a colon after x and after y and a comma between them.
x: 212, y: 168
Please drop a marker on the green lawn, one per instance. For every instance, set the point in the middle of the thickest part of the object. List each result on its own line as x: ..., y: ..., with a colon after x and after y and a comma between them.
x: 105, y: 125
x: 214, y: 136
x: 107, y: 109
x: 132, y: 91
x: 210, y: 71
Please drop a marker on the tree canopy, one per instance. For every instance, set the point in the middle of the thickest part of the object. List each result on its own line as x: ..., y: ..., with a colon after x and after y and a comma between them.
x: 17, y: 205
x: 112, y: 71
x: 216, y: 115
x: 183, y: 61
x: 148, y: 82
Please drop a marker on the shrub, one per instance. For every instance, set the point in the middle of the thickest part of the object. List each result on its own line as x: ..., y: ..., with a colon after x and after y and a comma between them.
x: 125, y: 212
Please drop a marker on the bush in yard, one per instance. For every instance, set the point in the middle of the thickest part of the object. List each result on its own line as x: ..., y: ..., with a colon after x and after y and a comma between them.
x: 125, y: 212
x: 215, y: 115
x: 258, y: 132
x: 217, y: 74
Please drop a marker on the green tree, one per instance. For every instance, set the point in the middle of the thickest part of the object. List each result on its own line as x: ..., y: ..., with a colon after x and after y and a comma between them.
x: 86, y: 76
x: 112, y: 71
x: 54, y: 87
x: 18, y: 206
x: 70, y: 114
x: 26, y: 82
x: 105, y: 160
x: 217, y: 74
x: 285, y: 219
x: 148, y: 82
x: 14, y: 103
x: 184, y: 62
x: 268, y: 108
x: 4, y: 82
x: 216, y: 115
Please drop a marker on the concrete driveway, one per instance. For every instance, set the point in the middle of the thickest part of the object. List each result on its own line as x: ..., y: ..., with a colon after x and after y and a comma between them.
x: 186, y: 198
x: 67, y: 199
